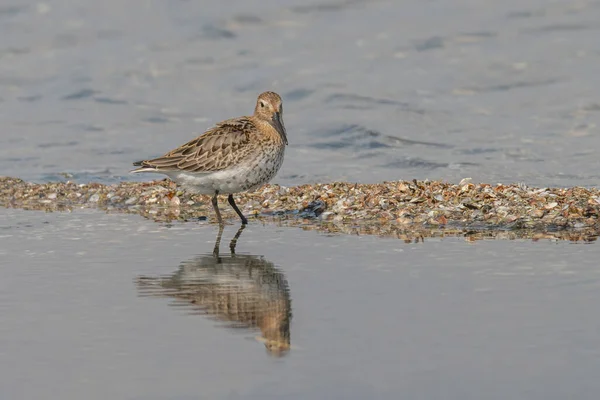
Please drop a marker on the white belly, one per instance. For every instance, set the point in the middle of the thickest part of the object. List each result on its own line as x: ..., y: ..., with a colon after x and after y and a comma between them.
x: 247, y: 176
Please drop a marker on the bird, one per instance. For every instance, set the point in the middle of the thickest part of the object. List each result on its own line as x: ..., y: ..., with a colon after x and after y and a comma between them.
x: 235, y: 155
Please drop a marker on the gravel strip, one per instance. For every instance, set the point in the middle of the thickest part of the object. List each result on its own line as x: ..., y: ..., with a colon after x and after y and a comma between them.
x: 409, y: 210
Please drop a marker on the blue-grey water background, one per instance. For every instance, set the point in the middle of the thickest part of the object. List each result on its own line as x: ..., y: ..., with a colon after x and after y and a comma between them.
x: 497, y: 91
x: 373, y: 90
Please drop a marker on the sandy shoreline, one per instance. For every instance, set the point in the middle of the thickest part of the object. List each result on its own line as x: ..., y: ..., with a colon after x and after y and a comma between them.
x: 414, y: 209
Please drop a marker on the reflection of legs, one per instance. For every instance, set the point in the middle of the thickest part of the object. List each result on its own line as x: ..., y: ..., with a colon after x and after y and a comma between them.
x: 233, y: 242
x: 237, y: 210
x: 218, y: 241
x: 216, y: 207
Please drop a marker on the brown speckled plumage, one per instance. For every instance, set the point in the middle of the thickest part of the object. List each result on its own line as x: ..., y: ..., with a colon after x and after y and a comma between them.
x: 235, y: 155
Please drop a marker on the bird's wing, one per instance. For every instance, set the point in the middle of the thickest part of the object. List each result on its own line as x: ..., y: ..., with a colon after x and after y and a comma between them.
x: 214, y: 150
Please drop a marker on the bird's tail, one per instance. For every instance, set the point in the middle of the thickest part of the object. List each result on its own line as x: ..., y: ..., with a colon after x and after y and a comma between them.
x: 143, y: 168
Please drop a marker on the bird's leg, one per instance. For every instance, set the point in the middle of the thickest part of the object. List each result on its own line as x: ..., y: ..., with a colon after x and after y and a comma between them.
x: 216, y: 207
x: 218, y: 241
x: 237, y: 210
x: 233, y: 242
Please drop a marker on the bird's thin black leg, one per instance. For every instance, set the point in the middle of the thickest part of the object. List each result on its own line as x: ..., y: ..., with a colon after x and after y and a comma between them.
x: 216, y: 207
x: 237, y: 210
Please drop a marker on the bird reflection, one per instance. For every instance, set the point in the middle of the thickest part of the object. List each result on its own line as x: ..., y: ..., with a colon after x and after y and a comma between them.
x: 244, y: 291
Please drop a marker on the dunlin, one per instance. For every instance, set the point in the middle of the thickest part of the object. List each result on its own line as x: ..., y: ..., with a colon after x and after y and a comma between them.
x: 236, y: 155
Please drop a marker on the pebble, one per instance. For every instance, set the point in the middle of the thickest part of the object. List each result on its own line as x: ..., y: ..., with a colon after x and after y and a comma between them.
x: 382, y: 208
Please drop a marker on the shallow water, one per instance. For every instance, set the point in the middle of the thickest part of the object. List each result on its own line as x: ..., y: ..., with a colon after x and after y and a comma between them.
x: 373, y: 90
x: 83, y: 316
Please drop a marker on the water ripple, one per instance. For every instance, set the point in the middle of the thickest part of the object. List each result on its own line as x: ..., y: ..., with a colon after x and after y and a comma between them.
x: 80, y: 94
x: 363, y: 138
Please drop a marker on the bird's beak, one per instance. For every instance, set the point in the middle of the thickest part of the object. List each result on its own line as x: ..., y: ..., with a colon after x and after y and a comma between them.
x: 277, y: 122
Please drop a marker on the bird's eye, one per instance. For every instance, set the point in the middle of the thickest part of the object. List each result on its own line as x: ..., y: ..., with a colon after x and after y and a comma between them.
x: 262, y: 104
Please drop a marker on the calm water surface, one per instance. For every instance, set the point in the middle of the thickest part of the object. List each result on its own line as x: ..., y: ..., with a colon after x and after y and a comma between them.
x: 373, y: 90
x: 103, y: 306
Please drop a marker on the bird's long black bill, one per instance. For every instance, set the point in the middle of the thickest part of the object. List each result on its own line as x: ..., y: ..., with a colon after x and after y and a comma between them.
x: 277, y: 122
